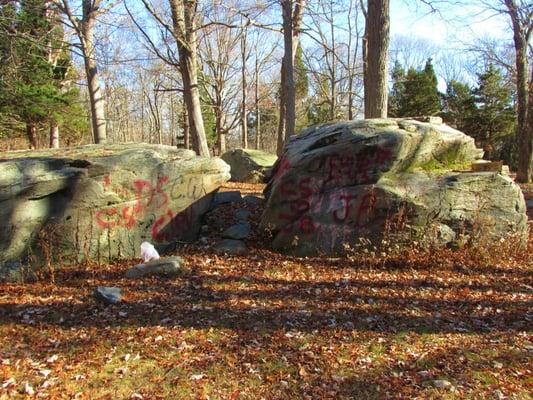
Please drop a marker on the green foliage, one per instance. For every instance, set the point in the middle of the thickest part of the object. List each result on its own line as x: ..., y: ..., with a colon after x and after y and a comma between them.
x: 208, y: 114
x: 301, y: 78
x: 318, y: 113
x: 301, y: 81
x: 35, y: 68
x: 458, y: 105
x: 494, y: 120
x: 415, y: 93
x: 485, y: 112
x: 397, y: 90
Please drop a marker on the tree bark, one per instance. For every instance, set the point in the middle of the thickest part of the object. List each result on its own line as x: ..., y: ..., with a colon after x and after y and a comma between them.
x: 186, y: 130
x: 257, y: 112
x: 31, y: 132
x: 244, y: 118
x: 292, y: 21
x: 184, y: 31
x: 375, y: 54
x: 54, y: 135
x: 96, y: 98
x: 524, y: 130
x: 282, y: 123
x: 219, y: 124
x: 289, y: 87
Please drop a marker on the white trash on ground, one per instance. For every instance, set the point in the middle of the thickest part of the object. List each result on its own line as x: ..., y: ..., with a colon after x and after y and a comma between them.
x: 148, y: 252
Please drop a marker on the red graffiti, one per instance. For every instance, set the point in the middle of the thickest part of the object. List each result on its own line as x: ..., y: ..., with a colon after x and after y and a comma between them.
x: 108, y: 218
x: 283, y: 166
x: 339, y: 169
x: 346, y: 201
x: 299, y: 196
x: 168, y: 225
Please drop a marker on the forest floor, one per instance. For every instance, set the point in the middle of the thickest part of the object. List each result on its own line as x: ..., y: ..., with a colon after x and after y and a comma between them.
x: 440, y: 325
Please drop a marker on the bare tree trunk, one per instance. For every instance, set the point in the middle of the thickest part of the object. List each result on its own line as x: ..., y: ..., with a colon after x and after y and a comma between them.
x: 244, y: 119
x: 219, y: 124
x: 31, y: 132
x: 184, y: 31
x: 351, y: 70
x: 54, y: 135
x: 282, y: 123
x: 292, y: 21
x: 257, y: 112
x: 96, y: 97
x: 521, y: 36
x: 375, y: 54
x: 289, y: 84
x: 186, y: 131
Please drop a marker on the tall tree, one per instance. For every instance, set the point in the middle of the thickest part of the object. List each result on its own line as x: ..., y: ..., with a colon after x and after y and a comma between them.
x: 521, y: 15
x: 375, y: 56
x: 397, y: 90
x: 183, y: 29
x: 415, y: 93
x: 493, y: 120
x: 292, y: 11
x: 34, y: 67
x: 85, y: 28
x: 458, y: 105
x: 184, y: 20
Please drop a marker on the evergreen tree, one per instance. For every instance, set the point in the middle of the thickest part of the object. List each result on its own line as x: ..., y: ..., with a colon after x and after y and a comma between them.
x: 397, y: 90
x: 458, y: 106
x: 301, y: 81
x: 35, y: 68
x: 493, y: 122
x: 420, y: 94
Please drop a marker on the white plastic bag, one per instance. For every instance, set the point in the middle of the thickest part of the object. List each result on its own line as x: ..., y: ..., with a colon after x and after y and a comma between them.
x: 148, y: 252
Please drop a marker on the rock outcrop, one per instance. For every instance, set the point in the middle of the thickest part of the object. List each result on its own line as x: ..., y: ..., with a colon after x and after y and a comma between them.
x: 167, y: 267
x: 249, y: 165
x: 100, y: 202
x: 339, y: 184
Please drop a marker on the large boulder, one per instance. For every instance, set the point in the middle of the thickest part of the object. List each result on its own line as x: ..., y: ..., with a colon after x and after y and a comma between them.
x: 367, y: 181
x: 100, y: 202
x: 249, y: 165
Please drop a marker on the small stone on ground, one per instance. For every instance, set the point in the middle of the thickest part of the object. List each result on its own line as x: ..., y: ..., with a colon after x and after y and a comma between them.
x: 108, y: 295
x: 231, y: 246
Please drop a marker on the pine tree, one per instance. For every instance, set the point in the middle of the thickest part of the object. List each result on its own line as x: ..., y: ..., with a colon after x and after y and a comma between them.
x: 458, y: 106
x: 37, y: 63
x: 493, y: 122
x: 398, y: 89
x: 301, y: 81
x: 420, y: 94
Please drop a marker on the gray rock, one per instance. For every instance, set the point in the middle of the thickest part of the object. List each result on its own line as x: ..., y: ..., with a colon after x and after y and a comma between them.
x: 231, y: 246
x: 390, y: 180
x: 101, y: 201
x: 12, y: 272
x: 108, y: 295
x: 242, y: 215
x: 251, y: 199
x: 164, y: 267
x: 238, y: 231
x: 442, y: 384
x: 249, y: 165
x: 233, y: 196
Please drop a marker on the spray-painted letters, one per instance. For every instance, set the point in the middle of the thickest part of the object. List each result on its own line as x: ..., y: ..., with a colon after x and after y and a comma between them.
x: 154, y: 199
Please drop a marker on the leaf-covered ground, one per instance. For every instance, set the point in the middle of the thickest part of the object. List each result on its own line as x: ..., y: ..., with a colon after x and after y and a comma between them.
x: 265, y: 326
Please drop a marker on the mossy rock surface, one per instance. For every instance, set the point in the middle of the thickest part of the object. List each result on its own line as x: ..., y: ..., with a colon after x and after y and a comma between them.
x: 249, y: 165
x: 339, y: 184
x: 101, y: 201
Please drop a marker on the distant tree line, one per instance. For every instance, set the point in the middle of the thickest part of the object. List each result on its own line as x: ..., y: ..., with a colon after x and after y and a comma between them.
x: 211, y: 75
x: 484, y: 111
